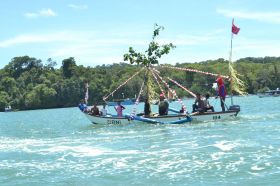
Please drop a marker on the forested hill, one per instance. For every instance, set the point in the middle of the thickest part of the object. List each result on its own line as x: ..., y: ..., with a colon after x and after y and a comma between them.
x: 28, y: 83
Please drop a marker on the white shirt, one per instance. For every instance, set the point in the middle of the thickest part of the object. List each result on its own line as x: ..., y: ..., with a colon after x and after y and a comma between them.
x: 104, y: 111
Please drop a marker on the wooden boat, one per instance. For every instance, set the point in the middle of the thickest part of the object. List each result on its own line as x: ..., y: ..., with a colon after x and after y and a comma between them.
x: 213, y: 116
x: 111, y: 119
x: 8, y: 108
x: 151, y: 74
x: 270, y: 93
x: 168, y: 119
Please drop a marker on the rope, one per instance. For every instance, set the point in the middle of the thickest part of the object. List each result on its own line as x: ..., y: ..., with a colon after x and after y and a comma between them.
x: 184, y: 88
x: 161, y: 89
x: 194, y: 70
x: 137, y: 100
x: 172, y: 91
x: 106, y: 97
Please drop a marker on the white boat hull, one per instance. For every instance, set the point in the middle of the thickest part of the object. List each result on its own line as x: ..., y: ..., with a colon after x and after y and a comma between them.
x: 108, y: 120
x: 196, y: 117
x: 213, y: 116
x: 124, y: 120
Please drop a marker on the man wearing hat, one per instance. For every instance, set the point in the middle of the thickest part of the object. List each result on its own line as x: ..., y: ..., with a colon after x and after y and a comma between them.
x: 163, y: 105
x: 221, y: 92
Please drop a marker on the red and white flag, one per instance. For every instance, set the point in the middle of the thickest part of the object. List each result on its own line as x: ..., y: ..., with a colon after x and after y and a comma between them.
x: 234, y: 29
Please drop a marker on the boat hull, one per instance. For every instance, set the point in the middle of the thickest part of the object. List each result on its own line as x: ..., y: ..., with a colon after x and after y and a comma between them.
x: 195, y: 117
x: 108, y: 120
x: 127, y: 120
x: 213, y: 116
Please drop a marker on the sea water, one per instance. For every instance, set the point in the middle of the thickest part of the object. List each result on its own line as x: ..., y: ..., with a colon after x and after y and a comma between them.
x: 61, y: 147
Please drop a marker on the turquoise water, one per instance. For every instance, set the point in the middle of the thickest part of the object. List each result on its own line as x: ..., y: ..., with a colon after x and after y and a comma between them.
x: 61, y: 147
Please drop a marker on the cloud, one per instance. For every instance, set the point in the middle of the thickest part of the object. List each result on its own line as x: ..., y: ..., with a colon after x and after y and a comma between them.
x: 269, y: 17
x: 74, y: 37
x: 78, y: 7
x: 100, y: 47
x: 36, y: 38
x: 257, y: 47
x: 41, y: 13
x: 87, y: 46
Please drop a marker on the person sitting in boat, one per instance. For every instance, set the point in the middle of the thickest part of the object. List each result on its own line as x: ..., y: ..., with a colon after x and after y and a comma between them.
x: 207, y: 104
x: 82, y: 106
x: 199, y: 104
x: 94, y: 111
x: 221, y: 92
x: 119, y: 109
x: 182, y: 110
x: 147, y: 108
x: 163, y: 105
x: 104, y: 110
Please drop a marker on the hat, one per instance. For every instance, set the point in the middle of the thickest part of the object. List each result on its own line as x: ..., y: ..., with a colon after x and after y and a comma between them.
x: 220, y: 81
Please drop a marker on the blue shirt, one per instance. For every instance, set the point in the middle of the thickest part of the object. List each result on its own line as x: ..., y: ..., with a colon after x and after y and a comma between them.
x: 82, y: 106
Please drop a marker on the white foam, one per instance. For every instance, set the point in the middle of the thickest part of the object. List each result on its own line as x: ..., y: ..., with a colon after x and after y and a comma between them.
x: 225, y: 145
x: 270, y: 147
x: 256, y: 168
x: 267, y: 164
x: 120, y: 164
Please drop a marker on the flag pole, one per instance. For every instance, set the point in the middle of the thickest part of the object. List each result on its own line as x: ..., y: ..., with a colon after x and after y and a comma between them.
x: 230, y: 61
x: 86, y: 94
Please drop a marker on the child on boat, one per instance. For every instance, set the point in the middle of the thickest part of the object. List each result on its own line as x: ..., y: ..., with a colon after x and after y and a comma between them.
x: 119, y: 109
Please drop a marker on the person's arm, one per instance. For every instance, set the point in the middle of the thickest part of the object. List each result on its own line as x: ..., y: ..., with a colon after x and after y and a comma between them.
x: 218, y: 92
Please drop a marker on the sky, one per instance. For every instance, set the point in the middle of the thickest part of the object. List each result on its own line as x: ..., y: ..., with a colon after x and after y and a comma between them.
x: 100, y: 32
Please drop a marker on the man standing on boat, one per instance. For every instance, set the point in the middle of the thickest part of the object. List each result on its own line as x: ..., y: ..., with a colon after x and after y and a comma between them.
x: 221, y: 92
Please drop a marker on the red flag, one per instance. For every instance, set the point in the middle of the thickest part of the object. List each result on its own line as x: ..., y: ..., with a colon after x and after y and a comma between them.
x: 234, y: 29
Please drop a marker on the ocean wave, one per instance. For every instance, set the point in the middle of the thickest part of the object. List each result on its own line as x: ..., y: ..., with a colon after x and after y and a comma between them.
x: 226, y: 145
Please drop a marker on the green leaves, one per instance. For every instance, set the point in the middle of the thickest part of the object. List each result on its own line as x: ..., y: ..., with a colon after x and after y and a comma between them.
x: 152, y: 55
x: 157, y: 30
x: 68, y: 67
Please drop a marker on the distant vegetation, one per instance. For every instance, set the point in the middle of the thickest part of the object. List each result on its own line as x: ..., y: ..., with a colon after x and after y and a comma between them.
x: 28, y: 83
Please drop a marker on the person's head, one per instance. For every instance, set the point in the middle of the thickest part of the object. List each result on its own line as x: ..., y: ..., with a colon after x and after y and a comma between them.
x: 94, y: 106
x: 207, y: 96
x: 146, y: 100
x: 220, y: 80
x: 161, y: 97
x: 82, y: 101
x: 119, y: 103
x: 198, y: 95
